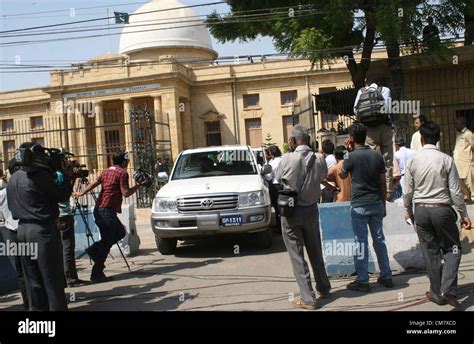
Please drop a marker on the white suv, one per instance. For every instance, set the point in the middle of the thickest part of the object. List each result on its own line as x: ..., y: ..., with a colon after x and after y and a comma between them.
x: 213, y: 191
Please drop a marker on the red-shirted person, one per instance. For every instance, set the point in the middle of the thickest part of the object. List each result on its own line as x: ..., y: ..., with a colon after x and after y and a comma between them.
x: 114, y: 183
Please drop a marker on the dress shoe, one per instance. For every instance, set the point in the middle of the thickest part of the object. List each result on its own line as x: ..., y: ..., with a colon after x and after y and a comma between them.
x: 356, y: 286
x: 75, y: 283
x: 386, y: 282
x: 451, y: 299
x: 300, y: 304
x: 438, y: 301
x: 101, y: 279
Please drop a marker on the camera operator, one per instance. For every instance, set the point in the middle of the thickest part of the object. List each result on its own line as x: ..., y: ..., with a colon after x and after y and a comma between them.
x: 65, y: 225
x: 33, y: 197
x: 9, y: 233
x: 114, y: 183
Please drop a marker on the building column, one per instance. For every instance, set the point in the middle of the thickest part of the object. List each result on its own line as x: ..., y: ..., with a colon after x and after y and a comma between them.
x: 158, y: 112
x: 187, y: 125
x: 81, y: 137
x: 100, y: 137
x: 64, y: 125
x: 69, y: 139
x: 127, y: 104
x: 170, y: 106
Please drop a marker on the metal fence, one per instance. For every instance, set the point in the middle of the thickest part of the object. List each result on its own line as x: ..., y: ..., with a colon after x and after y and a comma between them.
x: 442, y: 92
x: 94, y: 145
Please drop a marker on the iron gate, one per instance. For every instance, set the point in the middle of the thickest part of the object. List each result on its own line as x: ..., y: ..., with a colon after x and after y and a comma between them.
x: 143, y: 151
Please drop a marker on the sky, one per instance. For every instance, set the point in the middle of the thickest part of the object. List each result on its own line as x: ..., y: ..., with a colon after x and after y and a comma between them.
x: 81, y: 50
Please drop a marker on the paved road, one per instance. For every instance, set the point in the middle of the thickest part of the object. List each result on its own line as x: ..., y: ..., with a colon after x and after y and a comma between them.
x: 209, y: 275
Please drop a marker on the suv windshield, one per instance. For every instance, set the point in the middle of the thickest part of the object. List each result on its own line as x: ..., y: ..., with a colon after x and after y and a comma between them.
x: 214, y: 163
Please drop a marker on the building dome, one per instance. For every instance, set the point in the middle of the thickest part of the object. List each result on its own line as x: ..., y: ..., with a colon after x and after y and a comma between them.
x: 158, y: 28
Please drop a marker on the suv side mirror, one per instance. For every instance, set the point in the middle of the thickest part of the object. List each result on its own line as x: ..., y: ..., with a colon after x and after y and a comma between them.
x: 267, y: 169
x: 162, y: 177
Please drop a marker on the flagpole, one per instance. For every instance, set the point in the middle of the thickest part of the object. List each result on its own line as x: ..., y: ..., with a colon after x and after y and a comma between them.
x: 108, y: 26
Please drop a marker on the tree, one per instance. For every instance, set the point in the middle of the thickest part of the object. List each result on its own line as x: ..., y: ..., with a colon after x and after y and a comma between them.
x: 268, y: 141
x: 468, y: 11
x: 324, y: 30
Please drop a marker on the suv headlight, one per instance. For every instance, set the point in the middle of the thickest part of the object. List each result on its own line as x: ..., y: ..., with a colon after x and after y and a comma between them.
x: 250, y: 199
x: 163, y: 205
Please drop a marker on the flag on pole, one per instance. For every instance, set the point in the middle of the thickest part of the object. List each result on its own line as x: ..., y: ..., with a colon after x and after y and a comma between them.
x: 121, y: 17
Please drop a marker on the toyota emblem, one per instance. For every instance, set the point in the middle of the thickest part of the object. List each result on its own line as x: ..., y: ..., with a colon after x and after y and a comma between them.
x: 207, y: 203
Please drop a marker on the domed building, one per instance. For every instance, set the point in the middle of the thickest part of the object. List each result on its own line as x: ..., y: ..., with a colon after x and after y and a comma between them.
x: 164, y: 91
x: 165, y: 28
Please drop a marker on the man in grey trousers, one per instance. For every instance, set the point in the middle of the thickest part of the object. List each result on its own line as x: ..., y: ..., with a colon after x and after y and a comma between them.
x: 302, y: 228
x: 432, y: 188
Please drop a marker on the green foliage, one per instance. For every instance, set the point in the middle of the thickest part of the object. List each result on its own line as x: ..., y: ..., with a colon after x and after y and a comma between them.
x: 286, y: 147
x: 268, y: 141
x: 323, y: 30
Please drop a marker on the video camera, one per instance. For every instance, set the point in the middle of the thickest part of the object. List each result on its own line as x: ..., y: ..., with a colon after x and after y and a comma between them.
x: 79, y: 171
x: 37, y: 156
x: 139, y: 174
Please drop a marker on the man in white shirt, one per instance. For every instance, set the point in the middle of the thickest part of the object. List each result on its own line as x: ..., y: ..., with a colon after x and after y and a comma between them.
x: 432, y: 200
x: 328, y: 153
x: 9, y: 234
x: 274, y: 187
x: 416, y: 138
x: 379, y: 132
x: 402, y: 155
x: 415, y: 143
x: 463, y: 157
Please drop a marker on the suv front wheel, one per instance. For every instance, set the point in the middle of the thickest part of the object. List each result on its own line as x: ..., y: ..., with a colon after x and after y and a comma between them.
x: 166, y: 246
x: 263, y: 239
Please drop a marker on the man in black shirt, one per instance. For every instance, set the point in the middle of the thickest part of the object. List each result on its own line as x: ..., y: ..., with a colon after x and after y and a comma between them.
x: 33, y: 196
x: 369, y: 193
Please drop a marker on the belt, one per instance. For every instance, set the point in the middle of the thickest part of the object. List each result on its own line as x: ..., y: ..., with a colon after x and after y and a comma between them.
x: 38, y: 222
x: 432, y: 205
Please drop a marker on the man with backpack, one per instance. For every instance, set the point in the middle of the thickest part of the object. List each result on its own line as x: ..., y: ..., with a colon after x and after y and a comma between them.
x: 372, y: 108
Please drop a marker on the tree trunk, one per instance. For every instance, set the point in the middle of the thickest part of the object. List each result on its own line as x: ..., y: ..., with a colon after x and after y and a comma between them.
x: 469, y: 22
x: 395, y: 69
x: 359, y: 70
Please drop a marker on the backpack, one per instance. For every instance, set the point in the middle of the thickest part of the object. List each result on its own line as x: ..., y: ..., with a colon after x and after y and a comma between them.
x: 369, y: 107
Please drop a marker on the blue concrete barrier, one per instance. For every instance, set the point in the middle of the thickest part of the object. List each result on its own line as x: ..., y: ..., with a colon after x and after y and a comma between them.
x: 129, y: 244
x: 338, y: 239
x: 402, y: 242
x: 8, y: 280
x: 82, y: 241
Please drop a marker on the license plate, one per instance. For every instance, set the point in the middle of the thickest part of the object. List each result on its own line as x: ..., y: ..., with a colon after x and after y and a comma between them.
x: 231, y: 220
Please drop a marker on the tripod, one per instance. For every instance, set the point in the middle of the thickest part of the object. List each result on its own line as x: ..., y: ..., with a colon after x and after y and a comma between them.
x: 82, y: 185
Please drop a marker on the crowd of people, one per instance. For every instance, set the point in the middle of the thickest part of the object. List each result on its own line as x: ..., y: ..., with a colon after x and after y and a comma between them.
x: 433, y: 187
x: 432, y: 197
x: 36, y: 208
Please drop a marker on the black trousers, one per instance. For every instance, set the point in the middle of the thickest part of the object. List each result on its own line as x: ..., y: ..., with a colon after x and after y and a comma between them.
x: 111, y: 231
x: 66, y: 229
x: 273, y: 189
x: 43, y: 276
x: 12, y: 237
x: 439, y: 239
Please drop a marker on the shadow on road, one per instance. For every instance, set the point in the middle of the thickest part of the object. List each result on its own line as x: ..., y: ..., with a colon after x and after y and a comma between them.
x: 141, y: 296
x: 227, y: 247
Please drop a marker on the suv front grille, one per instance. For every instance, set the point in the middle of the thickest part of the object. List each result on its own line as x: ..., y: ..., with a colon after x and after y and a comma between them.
x: 208, y: 203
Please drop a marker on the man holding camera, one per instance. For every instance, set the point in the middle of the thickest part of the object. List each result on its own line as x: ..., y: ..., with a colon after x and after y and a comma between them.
x: 302, y: 172
x: 114, y: 183
x: 33, y: 195
x: 65, y: 225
